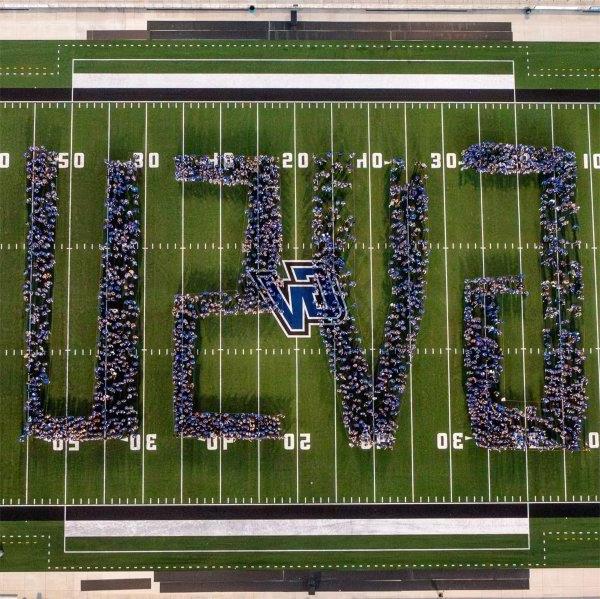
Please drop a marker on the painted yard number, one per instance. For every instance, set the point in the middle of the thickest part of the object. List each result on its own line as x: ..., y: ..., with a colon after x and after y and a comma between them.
x: 287, y: 160
x: 595, y: 161
x: 212, y: 444
x: 79, y: 159
x: 153, y: 159
x: 289, y: 441
x: 377, y: 161
x: 451, y: 160
x: 59, y: 445
x: 135, y: 442
x: 457, y: 440
x: 594, y: 440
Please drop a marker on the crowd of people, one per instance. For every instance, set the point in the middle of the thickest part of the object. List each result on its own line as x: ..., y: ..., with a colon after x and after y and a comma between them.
x: 113, y: 413
x: 371, y: 403
x: 262, y: 252
x: 563, y: 406
x: 116, y: 392
x: 42, y: 216
x: 198, y: 424
x: 494, y: 424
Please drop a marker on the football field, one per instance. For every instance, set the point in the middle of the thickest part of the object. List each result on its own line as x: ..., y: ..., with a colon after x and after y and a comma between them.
x: 192, y: 236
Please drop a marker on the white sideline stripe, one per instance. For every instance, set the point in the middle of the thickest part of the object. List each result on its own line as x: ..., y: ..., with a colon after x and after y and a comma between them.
x: 296, y: 527
x: 290, y: 81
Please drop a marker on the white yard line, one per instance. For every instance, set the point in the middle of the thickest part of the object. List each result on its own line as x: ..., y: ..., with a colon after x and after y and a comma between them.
x: 448, y: 377
x: 564, y: 451
x: 481, y: 219
x: 335, y: 408
x: 108, y: 124
x: 29, y: 326
x: 182, y: 281
x: 373, y: 364
x: 258, y: 349
x: 296, y: 348
x: 594, y: 247
x: 221, y: 304
x: 410, y: 368
x: 145, y: 266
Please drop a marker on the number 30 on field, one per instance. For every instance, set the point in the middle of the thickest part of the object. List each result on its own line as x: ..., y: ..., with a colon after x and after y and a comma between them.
x: 457, y: 440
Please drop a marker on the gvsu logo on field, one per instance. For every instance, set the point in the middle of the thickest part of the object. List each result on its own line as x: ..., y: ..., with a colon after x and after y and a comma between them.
x: 306, y: 296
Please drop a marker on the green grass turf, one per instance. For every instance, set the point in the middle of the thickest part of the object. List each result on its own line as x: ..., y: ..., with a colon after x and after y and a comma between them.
x: 555, y: 542
x: 537, y: 65
x: 189, y: 471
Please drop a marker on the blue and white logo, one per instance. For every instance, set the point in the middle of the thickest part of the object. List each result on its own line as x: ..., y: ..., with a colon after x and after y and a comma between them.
x: 305, y: 297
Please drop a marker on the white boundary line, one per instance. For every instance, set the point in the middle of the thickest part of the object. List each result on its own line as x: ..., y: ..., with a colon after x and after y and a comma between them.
x: 108, y: 126
x: 448, y: 369
x: 372, y: 317
x: 594, y: 247
x: 331, y: 103
x: 182, y: 283
x: 335, y: 402
x: 482, y: 221
x: 221, y: 305
x: 460, y: 60
x: 258, y: 489
x: 340, y: 550
x: 145, y: 265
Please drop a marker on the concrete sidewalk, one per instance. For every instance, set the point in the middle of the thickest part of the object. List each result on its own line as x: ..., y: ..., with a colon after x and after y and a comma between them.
x: 73, y: 24
x: 566, y: 583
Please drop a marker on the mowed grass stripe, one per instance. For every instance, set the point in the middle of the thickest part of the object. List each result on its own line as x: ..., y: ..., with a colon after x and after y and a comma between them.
x: 240, y: 375
x: 163, y: 281
x: 201, y: 466
x: 90, y: 137
x: 507, y: 469
x: 318, y: 413
x: 123, y: 466
x: 546, y: 474
x: 16, y: 133
x: 278, y: 372
x: 46, y: 466
x: 387, y: 137
x: 571, y: 131
x: 355, y: 466
x: 469, y: 463
x: 430, y: 393
x: 307, y: 65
